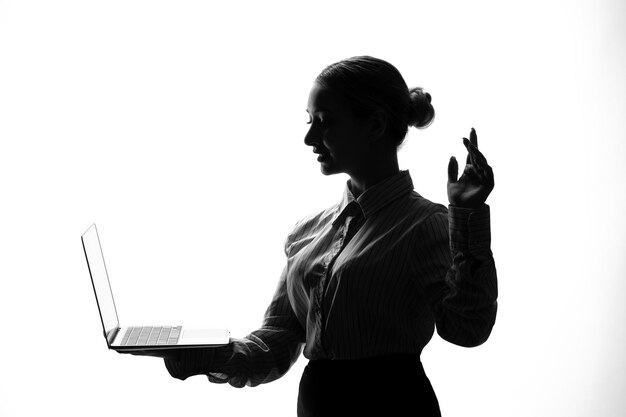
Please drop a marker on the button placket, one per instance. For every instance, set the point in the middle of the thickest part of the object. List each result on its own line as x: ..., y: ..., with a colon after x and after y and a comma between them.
x: 325, y: 282
x: 343, y: 237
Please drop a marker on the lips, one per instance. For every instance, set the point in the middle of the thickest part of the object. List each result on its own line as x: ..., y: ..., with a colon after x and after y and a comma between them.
x: 321, y: 156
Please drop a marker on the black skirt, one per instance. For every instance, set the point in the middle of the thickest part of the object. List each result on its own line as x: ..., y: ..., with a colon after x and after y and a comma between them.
x: 380, y: 386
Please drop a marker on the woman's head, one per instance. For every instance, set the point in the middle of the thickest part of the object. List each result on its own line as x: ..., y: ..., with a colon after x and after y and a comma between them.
x: 372, y: 85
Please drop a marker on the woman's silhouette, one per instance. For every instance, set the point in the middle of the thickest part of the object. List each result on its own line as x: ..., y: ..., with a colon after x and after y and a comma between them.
x: 368, y: 279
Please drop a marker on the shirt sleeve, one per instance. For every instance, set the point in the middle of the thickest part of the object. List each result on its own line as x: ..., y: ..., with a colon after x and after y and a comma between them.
x: 461, y: 282
x: 263, y: 356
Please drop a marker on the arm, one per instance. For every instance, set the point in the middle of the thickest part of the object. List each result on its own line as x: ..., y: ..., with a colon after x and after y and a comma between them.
x: 262, y: 356
x: 462, y: 284
x: 464, y: 304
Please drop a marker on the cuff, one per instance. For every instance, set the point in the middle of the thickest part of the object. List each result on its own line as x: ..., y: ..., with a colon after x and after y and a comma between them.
x: 470, y: 230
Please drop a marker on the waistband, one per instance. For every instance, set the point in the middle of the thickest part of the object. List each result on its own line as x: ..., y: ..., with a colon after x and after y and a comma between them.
x: 375, y: 362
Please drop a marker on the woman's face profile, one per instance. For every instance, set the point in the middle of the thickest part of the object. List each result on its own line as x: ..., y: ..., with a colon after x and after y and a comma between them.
x: 335, y: 134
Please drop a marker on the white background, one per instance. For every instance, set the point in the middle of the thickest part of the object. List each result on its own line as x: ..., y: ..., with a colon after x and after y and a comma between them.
x: 178, y: 127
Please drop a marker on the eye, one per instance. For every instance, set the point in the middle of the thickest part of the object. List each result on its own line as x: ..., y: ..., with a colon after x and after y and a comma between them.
x: 318, y: 119
x: 321, y: 116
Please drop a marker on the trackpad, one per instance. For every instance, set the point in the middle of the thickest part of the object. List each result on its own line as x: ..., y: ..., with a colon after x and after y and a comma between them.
x: 200, y: 333
x: 204, y: 337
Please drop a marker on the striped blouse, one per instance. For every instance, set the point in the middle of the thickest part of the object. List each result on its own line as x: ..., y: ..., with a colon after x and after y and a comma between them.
x: 367, y: 277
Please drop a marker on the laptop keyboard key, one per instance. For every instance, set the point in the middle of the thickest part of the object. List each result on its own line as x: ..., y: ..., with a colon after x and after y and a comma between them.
x: 150, y: 336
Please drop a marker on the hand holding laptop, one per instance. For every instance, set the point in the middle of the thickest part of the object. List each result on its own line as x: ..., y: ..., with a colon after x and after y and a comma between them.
x: 182, y: 363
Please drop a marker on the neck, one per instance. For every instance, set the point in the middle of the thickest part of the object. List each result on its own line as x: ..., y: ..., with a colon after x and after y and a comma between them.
x: 377, y: 171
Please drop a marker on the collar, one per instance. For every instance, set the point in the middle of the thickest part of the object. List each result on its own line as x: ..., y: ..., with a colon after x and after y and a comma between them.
x: 374, y: 198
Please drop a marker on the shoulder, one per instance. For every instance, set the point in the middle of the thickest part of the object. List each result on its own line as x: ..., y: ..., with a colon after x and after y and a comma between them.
x: 425, y: 221
x: 423, y: 209
x: 315, y: 219
x: 429, y: 226
x: 309, y: 226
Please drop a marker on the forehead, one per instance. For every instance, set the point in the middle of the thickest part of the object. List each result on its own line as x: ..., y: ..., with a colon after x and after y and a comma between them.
x: 323, y: 99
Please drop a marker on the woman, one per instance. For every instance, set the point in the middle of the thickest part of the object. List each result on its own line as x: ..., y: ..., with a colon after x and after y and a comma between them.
x: 367, y: 280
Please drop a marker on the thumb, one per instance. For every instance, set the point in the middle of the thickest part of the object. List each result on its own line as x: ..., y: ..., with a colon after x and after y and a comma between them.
x: 453, y: 170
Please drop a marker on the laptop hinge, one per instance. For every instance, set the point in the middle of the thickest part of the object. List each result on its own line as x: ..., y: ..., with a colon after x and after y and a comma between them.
x: 112, y: 335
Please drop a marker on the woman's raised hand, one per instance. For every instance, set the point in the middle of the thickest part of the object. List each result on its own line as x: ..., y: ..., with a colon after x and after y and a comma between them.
x: 476, y: 182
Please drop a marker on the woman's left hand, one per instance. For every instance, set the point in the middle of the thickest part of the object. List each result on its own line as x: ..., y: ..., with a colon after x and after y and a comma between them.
x: 476, y: 182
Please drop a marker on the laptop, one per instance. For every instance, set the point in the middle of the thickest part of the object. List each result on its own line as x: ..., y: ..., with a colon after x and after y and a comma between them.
x: 137, y: 338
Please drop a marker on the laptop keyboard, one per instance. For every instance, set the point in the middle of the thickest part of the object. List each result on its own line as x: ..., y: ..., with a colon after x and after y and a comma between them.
x: 151, y: 335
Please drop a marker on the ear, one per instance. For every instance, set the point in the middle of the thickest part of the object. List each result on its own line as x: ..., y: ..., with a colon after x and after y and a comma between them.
x: 377, y: 125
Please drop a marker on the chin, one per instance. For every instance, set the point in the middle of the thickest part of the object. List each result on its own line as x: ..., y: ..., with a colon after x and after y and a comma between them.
x: 328, y: 170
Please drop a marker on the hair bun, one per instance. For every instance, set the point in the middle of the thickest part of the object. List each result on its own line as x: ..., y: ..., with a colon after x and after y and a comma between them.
x: 421, y: 112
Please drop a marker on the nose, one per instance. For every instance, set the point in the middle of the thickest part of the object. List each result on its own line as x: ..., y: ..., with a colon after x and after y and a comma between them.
x: 310, y: 137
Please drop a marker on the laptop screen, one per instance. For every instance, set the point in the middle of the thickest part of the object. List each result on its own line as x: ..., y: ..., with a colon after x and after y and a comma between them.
x: 100, y: 281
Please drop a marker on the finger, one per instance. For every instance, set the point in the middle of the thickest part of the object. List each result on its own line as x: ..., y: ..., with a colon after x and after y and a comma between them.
x: 474, y: 138
x: 489, y: 176
x: 160, y: 353
x: 480, y: 175
x: 453, y: 170
x: 133, y: 352
x: 480, y: 158
x: 468, y: 146
x: 477, y: 156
